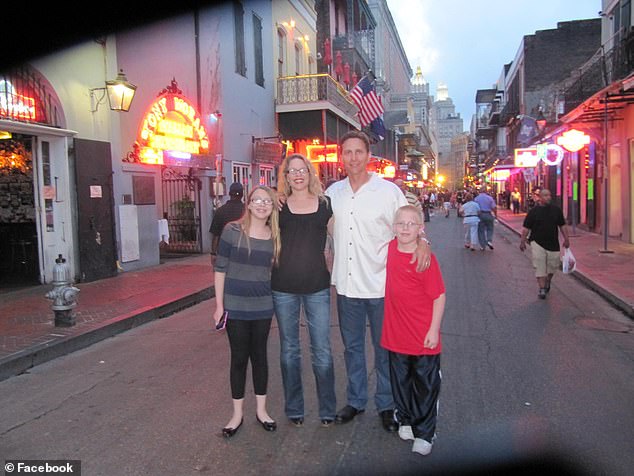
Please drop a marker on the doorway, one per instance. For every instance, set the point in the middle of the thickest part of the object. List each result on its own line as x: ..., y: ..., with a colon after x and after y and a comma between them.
x: 19, y: 265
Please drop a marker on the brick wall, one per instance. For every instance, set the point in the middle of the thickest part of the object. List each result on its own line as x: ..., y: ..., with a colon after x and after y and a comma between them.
x: 550, y: 55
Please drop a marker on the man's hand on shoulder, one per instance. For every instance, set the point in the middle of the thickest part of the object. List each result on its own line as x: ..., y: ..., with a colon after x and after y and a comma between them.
x: 422, y: 255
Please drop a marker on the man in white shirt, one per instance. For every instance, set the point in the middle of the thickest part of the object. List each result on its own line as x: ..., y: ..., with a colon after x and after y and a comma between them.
x: 364, y: 206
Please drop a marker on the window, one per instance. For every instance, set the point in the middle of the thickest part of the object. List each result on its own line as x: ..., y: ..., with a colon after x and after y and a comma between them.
x: 257, y: 48
x: 238, y: 20
x: 281, y: 41
x: 298, y: 59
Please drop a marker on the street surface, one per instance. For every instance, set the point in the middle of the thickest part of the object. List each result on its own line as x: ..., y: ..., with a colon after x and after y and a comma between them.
x: 525, y: 381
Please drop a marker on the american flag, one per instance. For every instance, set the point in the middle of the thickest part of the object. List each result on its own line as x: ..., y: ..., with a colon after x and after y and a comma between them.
x: 366, y: 99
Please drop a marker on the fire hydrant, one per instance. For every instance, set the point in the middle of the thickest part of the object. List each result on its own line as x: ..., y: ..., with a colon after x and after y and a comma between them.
x: 63, y: 294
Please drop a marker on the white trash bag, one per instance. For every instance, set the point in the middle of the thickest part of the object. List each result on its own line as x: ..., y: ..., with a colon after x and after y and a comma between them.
x: 568, y: 262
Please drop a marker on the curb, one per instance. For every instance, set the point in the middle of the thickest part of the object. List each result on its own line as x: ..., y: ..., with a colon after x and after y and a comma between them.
x: 24, y: 360
x: 612, y: 298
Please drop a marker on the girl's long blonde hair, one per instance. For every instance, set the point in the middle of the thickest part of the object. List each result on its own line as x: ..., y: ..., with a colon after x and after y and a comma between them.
x: 273, y: 223
x: 314, y: 185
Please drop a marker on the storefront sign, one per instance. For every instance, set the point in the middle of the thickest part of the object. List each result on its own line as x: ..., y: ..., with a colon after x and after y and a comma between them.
x: 550, y: 154
x: 322, y: 153
x: 573, y: 140
x: 501, y: 175
x: 526, y: 157
x: 14, y: 105
x: 171, y: 128
x: 268, y: 152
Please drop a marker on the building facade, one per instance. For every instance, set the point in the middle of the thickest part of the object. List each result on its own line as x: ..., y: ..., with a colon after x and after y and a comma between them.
x: 445, y: 124
x: 101, y: 182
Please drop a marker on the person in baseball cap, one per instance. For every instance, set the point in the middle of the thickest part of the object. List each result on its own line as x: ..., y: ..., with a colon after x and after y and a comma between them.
x: 230, y: 211
x: 236, y: 190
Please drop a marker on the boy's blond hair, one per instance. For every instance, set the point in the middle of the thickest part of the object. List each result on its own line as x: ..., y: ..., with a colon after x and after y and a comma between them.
x: 410, y: 208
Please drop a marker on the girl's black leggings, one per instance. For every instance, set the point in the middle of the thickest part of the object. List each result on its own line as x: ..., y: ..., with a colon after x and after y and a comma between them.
x: 247, y: 340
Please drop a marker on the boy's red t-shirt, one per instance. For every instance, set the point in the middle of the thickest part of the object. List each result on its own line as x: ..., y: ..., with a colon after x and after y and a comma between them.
x: 409, y: 301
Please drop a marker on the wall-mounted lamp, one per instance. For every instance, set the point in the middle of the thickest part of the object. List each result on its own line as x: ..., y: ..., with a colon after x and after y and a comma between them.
x: 120, y: 94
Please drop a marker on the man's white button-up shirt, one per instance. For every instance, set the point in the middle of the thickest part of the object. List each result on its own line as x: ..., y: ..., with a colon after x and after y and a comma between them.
x: 362, y: 231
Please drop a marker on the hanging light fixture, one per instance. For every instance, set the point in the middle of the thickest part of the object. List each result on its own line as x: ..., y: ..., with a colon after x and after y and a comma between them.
x: 120, y: 94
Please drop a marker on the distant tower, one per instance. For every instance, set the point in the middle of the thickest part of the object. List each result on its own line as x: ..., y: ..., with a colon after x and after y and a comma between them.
x: 442, y: 92
x: 418, y: 78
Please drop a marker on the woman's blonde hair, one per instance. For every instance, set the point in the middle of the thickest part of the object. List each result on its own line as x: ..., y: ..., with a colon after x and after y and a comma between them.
x: 273, y: 222
x: 314, y: 185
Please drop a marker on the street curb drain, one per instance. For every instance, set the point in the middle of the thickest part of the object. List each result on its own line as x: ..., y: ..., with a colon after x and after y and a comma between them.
x: 599, y: 324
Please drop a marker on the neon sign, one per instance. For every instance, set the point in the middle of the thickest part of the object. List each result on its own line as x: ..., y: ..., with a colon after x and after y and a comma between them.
x: 171, y: 126
x: 526, y: 157
x: 550, y: 154
x: 315, y: 153
x: 500, y: 175
x: 573, y: 140
x: 14, y: 105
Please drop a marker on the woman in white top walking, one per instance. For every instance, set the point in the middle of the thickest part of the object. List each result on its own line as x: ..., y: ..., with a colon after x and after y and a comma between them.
x: 470, y: 211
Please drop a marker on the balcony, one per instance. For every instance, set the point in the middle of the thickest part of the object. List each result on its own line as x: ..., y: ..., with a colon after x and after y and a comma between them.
x: 314, y: 92
x: 604, y: 68
x: 357, y: 45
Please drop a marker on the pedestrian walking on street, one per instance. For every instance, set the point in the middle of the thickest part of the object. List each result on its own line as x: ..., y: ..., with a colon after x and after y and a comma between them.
x: 447, y: 203
x: 242, y: 280
x: 488, y: 215
x: 414, y: 307
x: 516, y: 197
x: 230, y: 211
x: 364, y: 207
x: 541, y: 228
x: 301, y: 279
x: 409, y: 196
x: 470, y: 211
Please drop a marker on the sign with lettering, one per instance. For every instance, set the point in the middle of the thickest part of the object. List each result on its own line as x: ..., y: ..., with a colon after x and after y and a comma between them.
x: 172, y: 127
x: 14, y: 105
x: 322, y: 153
x: 526, y: 157
x: 268, y: 152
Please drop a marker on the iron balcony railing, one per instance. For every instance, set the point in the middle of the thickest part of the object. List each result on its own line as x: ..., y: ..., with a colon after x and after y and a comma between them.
x: 362, y: 41
x: 605, y: 67
x: 313, y: 88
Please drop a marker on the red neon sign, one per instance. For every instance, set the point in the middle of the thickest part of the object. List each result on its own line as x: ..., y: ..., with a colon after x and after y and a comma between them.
x: 322, y: 153
x: 172, y: 125
x: 14, y: 105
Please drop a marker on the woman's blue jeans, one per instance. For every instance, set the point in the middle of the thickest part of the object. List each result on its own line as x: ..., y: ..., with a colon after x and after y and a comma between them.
x: 317, y: 316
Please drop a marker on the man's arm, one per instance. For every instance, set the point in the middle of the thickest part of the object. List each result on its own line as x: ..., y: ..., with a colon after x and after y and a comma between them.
x: 422, y: 255
x: 564, y: 231
x: 523, y: 238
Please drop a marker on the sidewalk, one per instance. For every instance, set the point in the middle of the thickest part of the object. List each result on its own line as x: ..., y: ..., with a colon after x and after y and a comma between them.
x: 609, y: 274
x: 28, y: 336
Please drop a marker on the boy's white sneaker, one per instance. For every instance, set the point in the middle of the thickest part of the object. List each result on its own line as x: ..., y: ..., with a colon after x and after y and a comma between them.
x: 421, y: 446
x: 405, y: 433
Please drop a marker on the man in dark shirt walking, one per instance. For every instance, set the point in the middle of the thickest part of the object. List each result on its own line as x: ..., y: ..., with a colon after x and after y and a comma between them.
x: 230, y: 211
x: 544, y: 221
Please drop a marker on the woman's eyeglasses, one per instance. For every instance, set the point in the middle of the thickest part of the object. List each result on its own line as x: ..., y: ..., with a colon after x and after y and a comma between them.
x: 262, y: 201
x: 302, y: 171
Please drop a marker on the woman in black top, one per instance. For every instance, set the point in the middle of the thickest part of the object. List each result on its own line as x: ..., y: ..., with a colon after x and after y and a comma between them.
x: 302, y: 279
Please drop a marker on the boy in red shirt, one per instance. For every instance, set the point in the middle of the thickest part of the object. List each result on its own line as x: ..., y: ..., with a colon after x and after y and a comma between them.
x: 414, y: 306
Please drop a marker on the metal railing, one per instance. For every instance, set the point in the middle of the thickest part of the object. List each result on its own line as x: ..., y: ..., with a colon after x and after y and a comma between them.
x: 603, y: 68
x: 313, y: 88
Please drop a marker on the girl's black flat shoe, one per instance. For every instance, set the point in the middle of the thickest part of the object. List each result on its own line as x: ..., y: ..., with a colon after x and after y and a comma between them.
x: 229, y: 432
x: 267, y: 425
